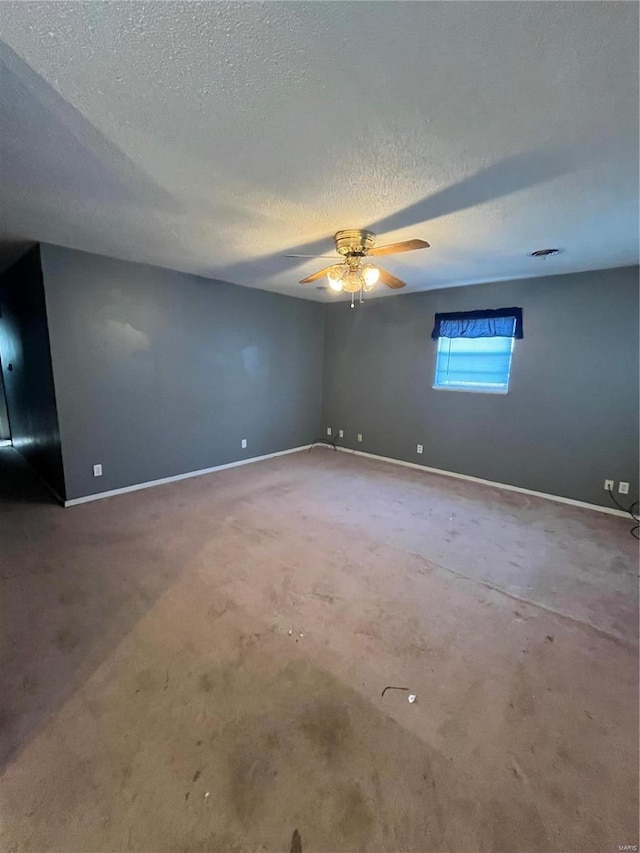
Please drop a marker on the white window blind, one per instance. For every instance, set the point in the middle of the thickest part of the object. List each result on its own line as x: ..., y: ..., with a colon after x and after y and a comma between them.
x: 474, y: 364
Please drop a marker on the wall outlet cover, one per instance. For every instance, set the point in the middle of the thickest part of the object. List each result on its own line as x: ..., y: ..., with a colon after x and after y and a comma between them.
x: 244, y: 443
x: 608, y: 485
x: 97, y: 470
x: 623, y: 488
x: 419, y: 448
x: 329, y: 430
x: 340, y: 433
x: 359, y: 436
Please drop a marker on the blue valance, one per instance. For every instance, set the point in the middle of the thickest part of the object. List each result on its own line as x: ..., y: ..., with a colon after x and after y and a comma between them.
x: 489, y: 323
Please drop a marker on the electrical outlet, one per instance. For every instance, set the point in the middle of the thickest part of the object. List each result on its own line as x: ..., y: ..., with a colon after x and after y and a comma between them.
x: 244, y: 443
x: 97, y: 470
x: 419, y: 448
x: 623, y: 488
x: 608, y: 485
x: 359, y: 436
x: 329, y: 430
x: 340, y: 433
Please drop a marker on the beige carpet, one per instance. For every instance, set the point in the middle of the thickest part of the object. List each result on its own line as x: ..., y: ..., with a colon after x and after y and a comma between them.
x: 199, y: 666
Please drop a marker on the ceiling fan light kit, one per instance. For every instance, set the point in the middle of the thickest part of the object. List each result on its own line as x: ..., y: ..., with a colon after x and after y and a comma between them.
x: 352, y: 277
x: 354, y: 274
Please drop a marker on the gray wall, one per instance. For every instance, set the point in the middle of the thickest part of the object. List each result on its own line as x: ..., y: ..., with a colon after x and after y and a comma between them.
x: 569, y: 420
x: 159, y: 373
x: 26, y: 369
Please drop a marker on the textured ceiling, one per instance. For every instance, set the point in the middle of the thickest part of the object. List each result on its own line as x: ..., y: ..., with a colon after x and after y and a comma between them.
x: 217, y: 137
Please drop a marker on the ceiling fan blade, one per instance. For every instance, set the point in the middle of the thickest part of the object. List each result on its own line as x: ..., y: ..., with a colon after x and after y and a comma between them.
x: 391, y: 280
x: 311, y: 256
x: 316, y: 275
x: 407, y: 246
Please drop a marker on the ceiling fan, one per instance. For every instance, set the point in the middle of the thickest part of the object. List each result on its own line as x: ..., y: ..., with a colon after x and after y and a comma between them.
x: 354, y: 274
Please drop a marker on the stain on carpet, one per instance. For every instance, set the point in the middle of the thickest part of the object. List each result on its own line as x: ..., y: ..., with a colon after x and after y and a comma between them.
x: 251, y: 774
x: 327, y: 725
x: 67, y: 640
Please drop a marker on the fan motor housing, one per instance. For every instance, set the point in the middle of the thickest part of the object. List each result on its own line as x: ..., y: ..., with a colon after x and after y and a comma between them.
x: 354, y: 241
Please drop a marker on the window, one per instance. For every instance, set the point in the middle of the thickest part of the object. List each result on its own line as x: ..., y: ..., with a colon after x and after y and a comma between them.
x: 475, y: 348
x: 474, y: 364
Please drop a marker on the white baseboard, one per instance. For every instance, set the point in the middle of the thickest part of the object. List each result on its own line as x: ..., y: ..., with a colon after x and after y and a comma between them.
x: 416, y: 466
x: 100, y: 495
x: 505, y: 486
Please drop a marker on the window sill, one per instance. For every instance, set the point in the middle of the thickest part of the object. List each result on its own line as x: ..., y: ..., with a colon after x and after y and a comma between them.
x: 470, y: 390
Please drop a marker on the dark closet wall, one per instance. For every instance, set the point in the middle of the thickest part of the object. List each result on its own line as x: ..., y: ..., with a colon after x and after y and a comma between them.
x: 26, y: 369
x: 5, y: 431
